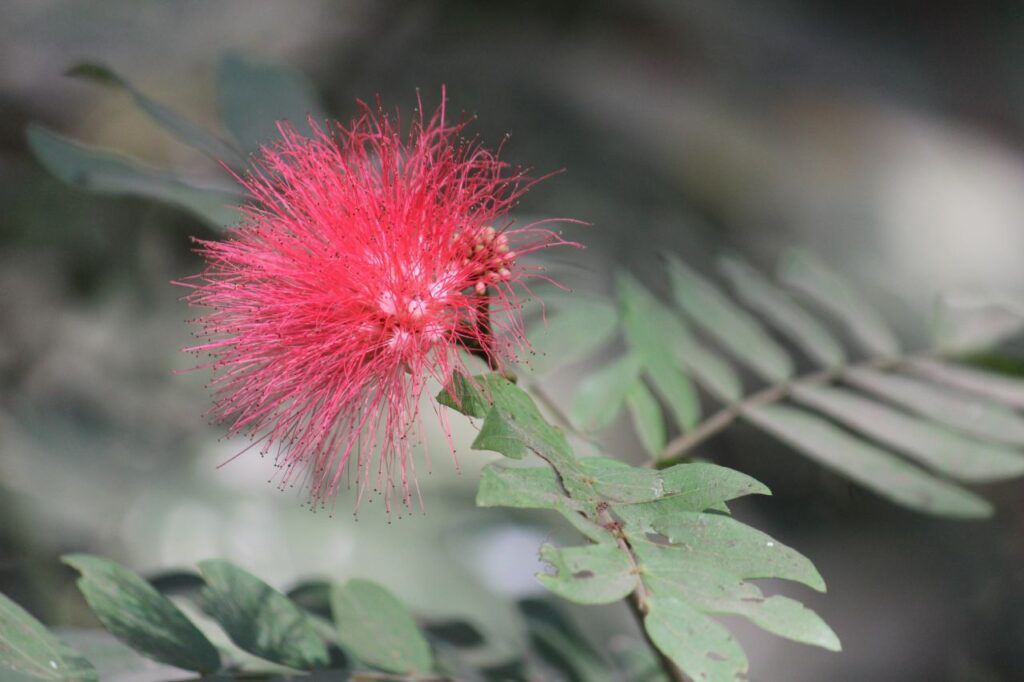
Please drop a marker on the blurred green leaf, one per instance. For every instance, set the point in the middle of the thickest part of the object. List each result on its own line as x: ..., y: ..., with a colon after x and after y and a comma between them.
x: 714, y: 373
x: 729, y: 324
x: 193, y: 135
x: 778, y: 308
x: 105, y: 172
x: 576, y: 329
x: 872, y: 467
x: 810, y: 276
x: 258, y: 618
x: 999, y: 388
x: 378, y: 629
x: 600, y: 396
x: 140, y: 616
x: 940, y: 448
x: 254, y: 97
x: 640, y: 311
x: 700, y: 646
x: 590, y: 574
x: 28, y: 651
x: 646, y: 414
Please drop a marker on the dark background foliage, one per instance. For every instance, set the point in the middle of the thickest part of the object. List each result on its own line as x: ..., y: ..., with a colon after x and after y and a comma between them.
x: 886, y: 136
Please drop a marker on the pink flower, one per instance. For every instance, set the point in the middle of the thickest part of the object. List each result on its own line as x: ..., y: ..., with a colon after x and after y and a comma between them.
x: 365, y: 262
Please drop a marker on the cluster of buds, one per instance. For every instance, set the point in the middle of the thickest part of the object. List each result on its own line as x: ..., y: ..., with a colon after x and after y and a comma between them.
x: 491, y: 256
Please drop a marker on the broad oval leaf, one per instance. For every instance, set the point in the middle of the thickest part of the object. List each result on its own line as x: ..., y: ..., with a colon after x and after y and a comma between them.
x: 942, y: 449
x: 254, y: 97
x: 646, y: 414
x: 102, y: 171
x: 258, y: 618
x: 729, y: 324
x: 193, y: 135
x: 28, y: 651
x: 134, y: 612
x: 599, y: 398
x: 872, y: 467
x: 782, y: 311
x: 591, y: 574
x: 964, y: 412
x: 805, y: 273
x: 378, y: 629
x: 700, y: 646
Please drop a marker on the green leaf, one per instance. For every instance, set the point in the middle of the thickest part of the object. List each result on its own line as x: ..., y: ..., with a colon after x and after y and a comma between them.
x: 964, y: 412
x: 693, y: 486
x: 700, y: 646
x: 720, y: 541
x: 29, y: 652
x: 729, y: 324
x: 646, y: 414
x: 521, y: 488
x: 577, y: 329
x: 872, y: 467
x: 140, y: 616
x: 258, y: 618
x: 104, y: 172
x: 512, y: 423
x: 711, y: 588
x: 600, y: 397
x: 810, y: 276
x: 990, y: 385
x: 254, y: 97
x: 946, y: 451
x: 592, y: 574
x: 378, y: 629
x: 777, y: 307
x: 193, y: 135
x: 714, y: 373
x: 639, y: 309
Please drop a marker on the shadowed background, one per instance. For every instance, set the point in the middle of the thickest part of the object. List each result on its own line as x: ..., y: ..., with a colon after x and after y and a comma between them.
x: 886, y: 137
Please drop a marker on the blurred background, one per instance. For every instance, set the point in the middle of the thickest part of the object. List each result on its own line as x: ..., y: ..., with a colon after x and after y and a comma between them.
x: 888, y: 137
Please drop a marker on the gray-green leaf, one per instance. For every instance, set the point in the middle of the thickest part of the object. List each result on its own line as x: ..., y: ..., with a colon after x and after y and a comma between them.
x: 810, y: 276
x: 105, y: 172
x: 729, y: 324
x: 599, y: 397
x: 964, y: 412
x: 378, y: 629
x: 578, y: 328
x: 591, y: 574
x: 646, y: 414
x: 989, y: 385
x: 134, y: 612
x: 255, y: 97
x: 700, y: 646
x: 193, y: 135
x: 258, y: 618
x: 782, y: 311
x: 28, y: 651
x: 872, y: 467
x: 942, y: 449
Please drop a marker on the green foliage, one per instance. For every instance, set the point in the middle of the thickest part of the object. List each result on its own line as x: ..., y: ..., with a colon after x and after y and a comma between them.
x: 660, y: 537
x: 29, y: 652
x: 134, y: 612
x: 258, y: 618
x: 378, y: 629
x: 909, y: 426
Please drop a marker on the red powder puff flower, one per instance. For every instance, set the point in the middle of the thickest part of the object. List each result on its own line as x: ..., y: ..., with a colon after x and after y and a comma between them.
x: 365, y: 262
